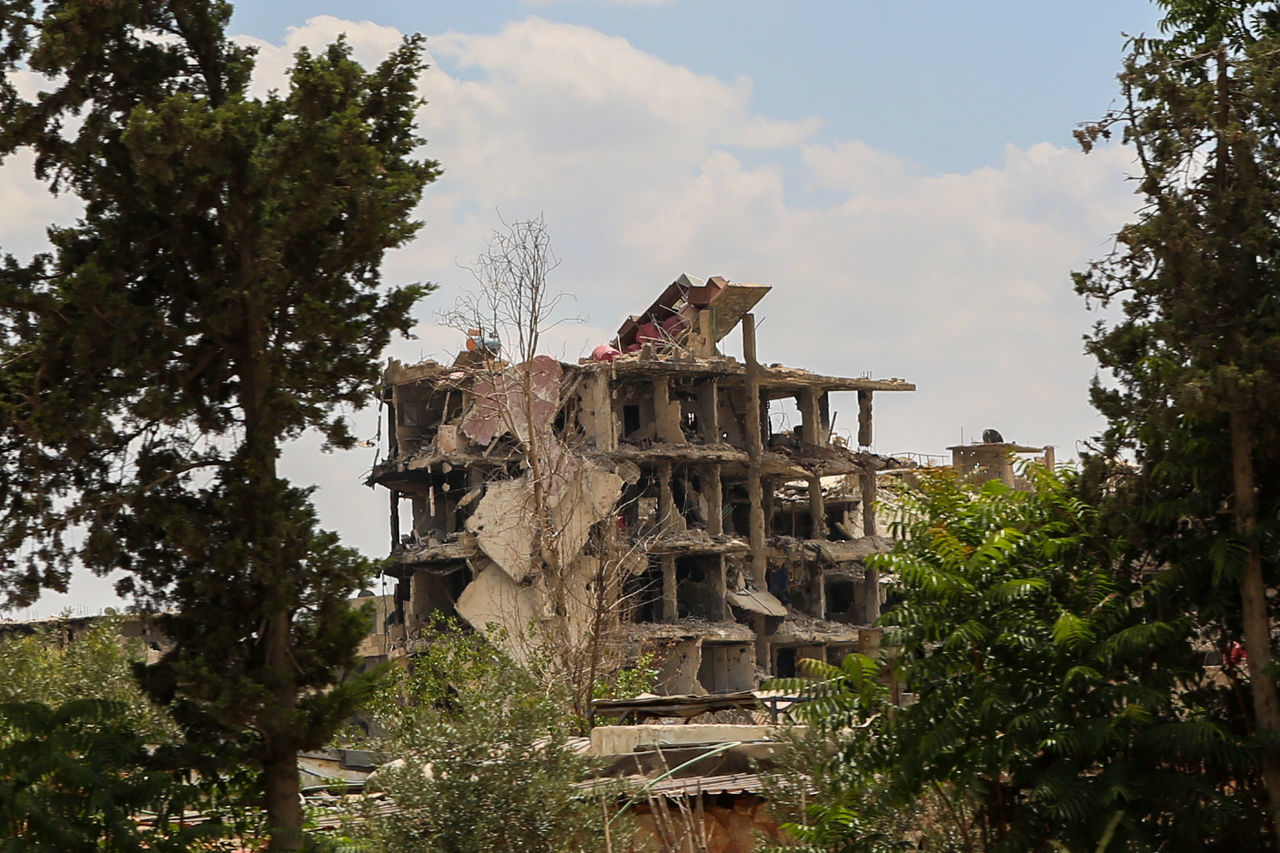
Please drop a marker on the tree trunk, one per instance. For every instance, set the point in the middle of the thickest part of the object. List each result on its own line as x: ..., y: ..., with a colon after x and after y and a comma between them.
x: 1253, y: 609
x: 283, y: 803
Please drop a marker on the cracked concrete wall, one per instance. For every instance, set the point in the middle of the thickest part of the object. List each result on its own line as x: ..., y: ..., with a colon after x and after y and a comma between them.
x: 581, y: 494
x: 493, y: 603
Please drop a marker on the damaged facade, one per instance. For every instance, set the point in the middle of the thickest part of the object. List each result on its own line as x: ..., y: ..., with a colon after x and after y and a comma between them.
x: 648, y: 481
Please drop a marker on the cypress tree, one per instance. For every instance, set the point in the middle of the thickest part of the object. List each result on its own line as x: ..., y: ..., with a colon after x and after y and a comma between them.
x: 219, y: 295
x: 1194, y: 355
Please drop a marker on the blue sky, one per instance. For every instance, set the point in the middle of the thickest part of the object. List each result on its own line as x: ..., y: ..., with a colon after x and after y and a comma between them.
x: 903, y: 174
x: 943, y: 84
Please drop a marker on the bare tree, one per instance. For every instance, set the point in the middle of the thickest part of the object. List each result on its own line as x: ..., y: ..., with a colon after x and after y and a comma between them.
x: 577, y: 561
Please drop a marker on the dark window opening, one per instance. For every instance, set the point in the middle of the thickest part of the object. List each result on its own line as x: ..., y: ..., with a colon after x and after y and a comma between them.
x: 643, y: 593
x: 436, y: 591
x: 836, y: 524
x: 700, y: 587
x: 793, y: 519
x: 784, y: 662
x: 841, y: 597
x: 630, y: 420
x: 689, y: 425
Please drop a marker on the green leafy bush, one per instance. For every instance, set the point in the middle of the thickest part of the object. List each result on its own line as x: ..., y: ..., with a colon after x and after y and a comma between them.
x: 486, y: 761
x: 1054, y: 711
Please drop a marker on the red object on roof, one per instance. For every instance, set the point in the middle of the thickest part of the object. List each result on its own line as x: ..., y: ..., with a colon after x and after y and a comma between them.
x: 648, y: 332
x: 699, y: 295
x: 605, y: 352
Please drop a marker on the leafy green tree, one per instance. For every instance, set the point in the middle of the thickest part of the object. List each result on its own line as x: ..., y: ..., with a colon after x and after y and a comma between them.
x: 1052, y: 712
x: 49, y: 667
x: 485, y: 762
x: 1195, y: 401
x: 219, y: 295
x: 83, y: 752
x: 76, y: 778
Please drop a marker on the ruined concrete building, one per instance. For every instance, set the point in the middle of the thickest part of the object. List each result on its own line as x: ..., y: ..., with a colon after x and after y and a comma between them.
x: 647, y: 481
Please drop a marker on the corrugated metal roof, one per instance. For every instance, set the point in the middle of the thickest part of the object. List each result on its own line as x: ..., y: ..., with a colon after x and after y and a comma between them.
x: 732, y: 783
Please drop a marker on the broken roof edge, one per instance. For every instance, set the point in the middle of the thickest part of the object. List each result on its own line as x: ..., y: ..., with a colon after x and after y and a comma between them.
x: 1006, y: 446
x: 399, y: 373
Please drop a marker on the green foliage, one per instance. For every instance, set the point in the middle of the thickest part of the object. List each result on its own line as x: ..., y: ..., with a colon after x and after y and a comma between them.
x: 219, y: 296
x: 83, y: 751
x: 486, y: 760
x: 48, y: 667
x: 73, y: 778
x: 1048, y: 701
x: 1187, y: 473
x: 629, y: 681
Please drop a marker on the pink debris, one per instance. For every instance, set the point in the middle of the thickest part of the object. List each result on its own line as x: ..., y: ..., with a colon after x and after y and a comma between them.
x: 674, y: 325
x: 605, y: 352
x: 648, y: 332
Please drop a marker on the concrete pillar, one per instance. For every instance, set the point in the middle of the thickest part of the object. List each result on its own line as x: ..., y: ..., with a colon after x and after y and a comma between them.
x: 709, y: 410
x: 817, y: 588
x: 670, y: 605
x: 867, y: 485
x: 817, y: 509
x: 721, y: 589
x: 703, y: 343
x: 812, y: 429
x: 755, y: 449
x: 864, y: 419
x: 666, y: 413
x: 395, y: 519
x: 599, y: 421
x: 871, y: 578
x: 669, y: 517
x: 713, y: 493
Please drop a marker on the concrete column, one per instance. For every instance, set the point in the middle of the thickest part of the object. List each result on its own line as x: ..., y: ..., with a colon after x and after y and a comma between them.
x: 871, y: 578
x: 666, y: 413
x: 721, y: 590
x: 817, y: 588
x: 709, y: 410
x: 395, y: 519
x: 703, y: 344
x: 864, y: 419
x: 713, y: 493
x: 762, y: 643
x: 670, y: 605
x: 599, y: 418
x: 812, y: 429
x: 669, y: 517
x: 867, y: 484
x: 755, y: 449
x: 817, y: 509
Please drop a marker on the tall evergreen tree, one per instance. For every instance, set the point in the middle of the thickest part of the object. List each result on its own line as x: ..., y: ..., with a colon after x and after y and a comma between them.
x: 219, y: 295
x: 1196, y: 354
